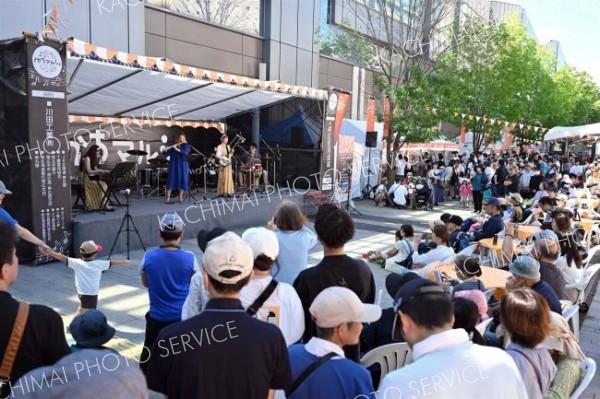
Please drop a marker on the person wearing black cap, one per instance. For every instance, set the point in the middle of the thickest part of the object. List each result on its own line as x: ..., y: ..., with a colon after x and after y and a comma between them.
x: 492, y: 226
x: 197, y: 296
x: 424, y: 318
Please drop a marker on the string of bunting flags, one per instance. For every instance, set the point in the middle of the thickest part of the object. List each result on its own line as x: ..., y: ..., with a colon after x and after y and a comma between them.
x: 499, y: 122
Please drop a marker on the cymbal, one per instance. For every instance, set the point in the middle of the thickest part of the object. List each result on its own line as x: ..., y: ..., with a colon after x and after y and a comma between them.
x: 137, y: 152
x: 158, y: 161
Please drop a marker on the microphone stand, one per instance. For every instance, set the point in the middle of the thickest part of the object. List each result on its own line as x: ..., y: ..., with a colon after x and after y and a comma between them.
x: 204, y: 162
x: 276, y: 157
x: 236, y: 172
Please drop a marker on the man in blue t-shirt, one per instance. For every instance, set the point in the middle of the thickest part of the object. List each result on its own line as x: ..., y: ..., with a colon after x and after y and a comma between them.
x: 338, y: 314
x: 22, y: 232
x: 492, y: 226
x: 166, y: 271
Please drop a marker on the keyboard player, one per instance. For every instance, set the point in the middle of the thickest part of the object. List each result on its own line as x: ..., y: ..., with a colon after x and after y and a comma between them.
x: 91, y: 175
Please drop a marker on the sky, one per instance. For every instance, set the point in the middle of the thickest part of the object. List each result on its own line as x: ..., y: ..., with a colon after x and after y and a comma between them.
x: 575, y: 23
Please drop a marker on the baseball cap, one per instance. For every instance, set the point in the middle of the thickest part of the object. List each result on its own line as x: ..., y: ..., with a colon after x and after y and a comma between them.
x: 3, y: 188
x: 262, y: 241
x: 338, y: 305
x: 228, y: 252
x: 89, y: 247
x: 457, y: 220
x: 90, y: 329
x: 171, y: 223
x: 409, y: 291
x: 204, y: 236
x: 394, y: 281
x: 540, y: 235
x: 525, y: 266
x: 492, y: 201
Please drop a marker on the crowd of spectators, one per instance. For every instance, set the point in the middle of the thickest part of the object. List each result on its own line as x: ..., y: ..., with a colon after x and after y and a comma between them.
x: 246, y: 317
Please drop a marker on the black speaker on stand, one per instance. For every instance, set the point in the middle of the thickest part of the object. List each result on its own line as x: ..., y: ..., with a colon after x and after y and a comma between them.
x: 370, y: 142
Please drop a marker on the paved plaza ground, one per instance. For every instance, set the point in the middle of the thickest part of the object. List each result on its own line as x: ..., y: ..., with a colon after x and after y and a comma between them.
x: 125, y: 301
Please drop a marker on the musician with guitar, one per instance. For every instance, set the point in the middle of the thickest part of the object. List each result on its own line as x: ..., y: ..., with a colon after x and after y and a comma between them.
x: 251, y: 166
x: 179, y: 168
x: 224, y: 156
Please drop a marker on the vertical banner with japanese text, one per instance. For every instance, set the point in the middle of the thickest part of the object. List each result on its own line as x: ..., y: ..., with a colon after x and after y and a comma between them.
x: 47, y: 155
x: 346, y: 162
x: 386, y: 116
x: 371, y: 114
x: 336, y: 109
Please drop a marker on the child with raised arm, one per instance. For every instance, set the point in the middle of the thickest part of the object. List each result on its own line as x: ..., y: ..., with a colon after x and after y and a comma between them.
x: 88, y: 272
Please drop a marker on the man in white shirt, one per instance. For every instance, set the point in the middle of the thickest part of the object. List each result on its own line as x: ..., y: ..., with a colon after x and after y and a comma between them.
x: 400, y: 194
x: 576, y: 169
x: 525, y: 179
x: 490, y: 171
x: 400, y: 165
x: 446, y: 364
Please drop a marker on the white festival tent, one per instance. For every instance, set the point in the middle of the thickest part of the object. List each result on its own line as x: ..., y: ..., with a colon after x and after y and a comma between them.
x: 573, y: 132
x: 361, y: 166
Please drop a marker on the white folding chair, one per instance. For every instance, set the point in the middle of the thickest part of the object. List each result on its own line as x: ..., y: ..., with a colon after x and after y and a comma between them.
x: 481, y: 327
x: 588, y: 369
x: 571, y: 315
x: 468, y: 251
x: 389, y: 357
x: 379, y: 297
x: 590, y: 255
x: 583, y: 285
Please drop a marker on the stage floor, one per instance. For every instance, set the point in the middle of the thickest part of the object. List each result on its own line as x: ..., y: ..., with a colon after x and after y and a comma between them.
x: 252, y: 209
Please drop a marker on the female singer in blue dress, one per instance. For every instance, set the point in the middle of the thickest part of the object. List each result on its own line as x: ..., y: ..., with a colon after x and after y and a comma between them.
x: 179, y: 168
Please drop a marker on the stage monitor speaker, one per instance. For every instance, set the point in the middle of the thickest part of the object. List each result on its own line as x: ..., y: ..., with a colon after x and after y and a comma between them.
x: 371, y: 139
x: 297, y: 137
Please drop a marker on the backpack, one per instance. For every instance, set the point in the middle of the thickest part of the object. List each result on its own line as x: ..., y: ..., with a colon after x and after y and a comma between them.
x: 462, y: 242
x: 408, y: 261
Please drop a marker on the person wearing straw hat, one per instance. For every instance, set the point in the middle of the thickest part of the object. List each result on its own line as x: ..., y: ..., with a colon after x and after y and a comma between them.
x: 22, y: 232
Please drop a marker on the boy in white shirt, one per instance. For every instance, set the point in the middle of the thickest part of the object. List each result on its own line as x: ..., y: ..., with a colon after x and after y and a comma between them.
x: 88, y: 272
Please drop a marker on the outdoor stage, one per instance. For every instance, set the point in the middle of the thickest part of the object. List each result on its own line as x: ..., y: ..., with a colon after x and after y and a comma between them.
x: 231, y: 213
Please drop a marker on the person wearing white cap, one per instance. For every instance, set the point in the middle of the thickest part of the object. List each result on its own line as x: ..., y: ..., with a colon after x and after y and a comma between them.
x: 266, y: 298
x: 22, y: 232
x: 167, y: 272
x: 338, y: 314
x: 88, y: 272
x: 223, y: 352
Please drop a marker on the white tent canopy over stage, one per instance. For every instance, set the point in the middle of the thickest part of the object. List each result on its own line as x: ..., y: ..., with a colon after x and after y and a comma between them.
x: 573, y: 132
x: 109, y: 83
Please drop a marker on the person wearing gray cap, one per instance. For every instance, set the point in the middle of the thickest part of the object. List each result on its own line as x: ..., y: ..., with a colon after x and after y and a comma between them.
x: 22, y: 232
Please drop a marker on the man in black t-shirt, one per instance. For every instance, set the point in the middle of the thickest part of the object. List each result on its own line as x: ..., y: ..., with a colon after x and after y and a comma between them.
x: 43, y: 341
x: 511, y: 183
x: 223, y: 352
x: 334, y: 227
x: 498, y: 179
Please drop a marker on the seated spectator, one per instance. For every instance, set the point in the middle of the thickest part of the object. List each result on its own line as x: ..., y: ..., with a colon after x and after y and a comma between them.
x: 424, y: 317
x: 402, y: 249
x: 467, y: 270
x: 546, y: 251
x: 525, y: 316
x: 516, y: 201
x: 566, y: 354
x: 85, y: 374
x: 453, y: 225
x: 379, y: 333
x: 43, y: 339
x: 295, y: 240
x: 338, y: 314
x: 541, y: 215
x: 381, y: 193
x: 400, y: 195
x: 246, y: 358
x: 478, y: 298
x: 90, y: 330
x: 443, y: 251
x: 466, y: 316
x: 492, y: 226
x: 334, y: 227
x: 197, y: 296
x: 282, y: 306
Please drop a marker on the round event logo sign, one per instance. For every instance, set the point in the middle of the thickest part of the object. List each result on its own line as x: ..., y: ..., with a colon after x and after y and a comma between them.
x: 46, y: 61
x: 333, y: 101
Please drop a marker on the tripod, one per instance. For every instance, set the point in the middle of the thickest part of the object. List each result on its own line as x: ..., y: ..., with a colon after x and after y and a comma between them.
x: 349, y: 207
x: 129, y: 219
x: 368, y: 189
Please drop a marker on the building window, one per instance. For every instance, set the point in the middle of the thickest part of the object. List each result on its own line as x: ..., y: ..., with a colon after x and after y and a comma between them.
x: 243, y: 15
